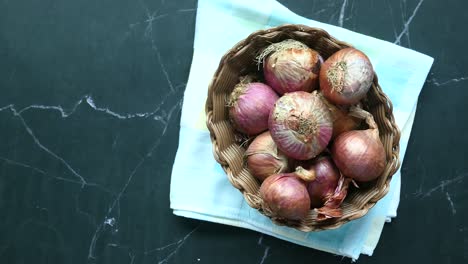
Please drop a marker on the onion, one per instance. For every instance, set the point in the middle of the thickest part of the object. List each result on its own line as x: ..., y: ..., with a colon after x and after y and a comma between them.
x: 250, y: 105
x: 290, y: 66
x: 346, y: 76
x: 285, y: 195
x: 326, y: 180
x: 359, y: 154
x: 331, y: 208
x: 329, y: 188
x: 301, y: 125
x: 342, y: 121
x: 264, y: 158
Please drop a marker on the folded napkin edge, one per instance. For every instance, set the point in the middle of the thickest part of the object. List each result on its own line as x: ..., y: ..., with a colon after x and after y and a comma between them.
x: 259, y: 229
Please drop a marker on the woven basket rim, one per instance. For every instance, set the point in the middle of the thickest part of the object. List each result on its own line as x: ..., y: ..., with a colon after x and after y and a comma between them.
x: 386, y: 121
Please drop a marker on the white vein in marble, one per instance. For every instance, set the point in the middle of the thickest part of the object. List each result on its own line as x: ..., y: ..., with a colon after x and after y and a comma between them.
x: 452, y: 206
x: 266, y: 250
x: 342, y: 13
x: 454, y: 80
x: 407, y: 23
x: 442, y: 185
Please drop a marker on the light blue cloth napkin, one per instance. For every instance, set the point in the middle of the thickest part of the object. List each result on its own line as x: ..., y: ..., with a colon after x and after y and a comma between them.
x: 199, y: 187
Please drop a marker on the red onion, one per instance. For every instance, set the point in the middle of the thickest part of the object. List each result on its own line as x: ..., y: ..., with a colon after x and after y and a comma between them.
x: 250, y: 105
x: 301, y: 125
x: 290, y: 66
x: 345, y: 77
x: 285, y: 195
x: 263, y: 157
x: 342, y: 121
x: 326, y: 180
x: 331, y: 208
x: 359, y: 154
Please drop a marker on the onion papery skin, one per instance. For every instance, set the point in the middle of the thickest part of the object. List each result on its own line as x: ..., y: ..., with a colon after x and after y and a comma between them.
x: 359, y: 154
x: 326, y: 180
x: 332, y: 206
x: 346, y: 76
x: 342, y: 121
x: 264, y: 158
x: 285, y: 196
x: 292, y: 66
x: 301, y: 125
x: 250, y: 106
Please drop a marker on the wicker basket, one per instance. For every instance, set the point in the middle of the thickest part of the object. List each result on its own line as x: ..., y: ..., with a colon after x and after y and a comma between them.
x: 239, y: 61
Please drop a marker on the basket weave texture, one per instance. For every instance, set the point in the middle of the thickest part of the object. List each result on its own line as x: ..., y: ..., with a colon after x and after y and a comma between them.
x: 229, y: 151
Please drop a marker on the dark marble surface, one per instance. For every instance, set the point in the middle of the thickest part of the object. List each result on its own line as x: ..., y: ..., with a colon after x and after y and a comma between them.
x: 89, y: 113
